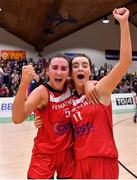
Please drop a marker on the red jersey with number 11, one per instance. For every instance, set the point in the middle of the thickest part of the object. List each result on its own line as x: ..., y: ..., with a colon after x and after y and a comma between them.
x: 93, y: 129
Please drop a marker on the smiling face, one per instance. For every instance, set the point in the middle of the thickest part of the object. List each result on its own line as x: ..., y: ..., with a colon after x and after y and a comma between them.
x: 58, y: 72
x: 81, y: 71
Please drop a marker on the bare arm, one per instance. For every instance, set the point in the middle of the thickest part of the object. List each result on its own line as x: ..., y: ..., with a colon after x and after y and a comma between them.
x: 22, y: 107
x: 107, y: 84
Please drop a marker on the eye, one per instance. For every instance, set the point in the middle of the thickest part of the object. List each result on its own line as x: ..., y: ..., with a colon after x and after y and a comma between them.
x: 85, y: 65
x: 54, y: 67
x: 64, y: 68
x: 75, y: 66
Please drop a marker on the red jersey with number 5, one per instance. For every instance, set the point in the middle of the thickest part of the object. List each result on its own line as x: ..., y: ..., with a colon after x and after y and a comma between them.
x: 55, y: 135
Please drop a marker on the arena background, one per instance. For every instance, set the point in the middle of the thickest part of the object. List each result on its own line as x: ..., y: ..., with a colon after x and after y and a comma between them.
x: 16, y: 140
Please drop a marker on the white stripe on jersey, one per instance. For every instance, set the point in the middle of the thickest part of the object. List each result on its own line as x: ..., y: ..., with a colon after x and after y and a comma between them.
x: 77, y: 101
x: 62, y: 97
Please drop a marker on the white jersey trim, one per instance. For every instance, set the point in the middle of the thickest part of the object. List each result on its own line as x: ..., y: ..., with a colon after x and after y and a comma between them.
x: 60, y: 98
x: 77, y: 101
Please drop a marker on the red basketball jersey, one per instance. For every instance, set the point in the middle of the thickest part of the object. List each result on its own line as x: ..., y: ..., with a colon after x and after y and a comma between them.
x: 55, y: 135
x: 93, y: 129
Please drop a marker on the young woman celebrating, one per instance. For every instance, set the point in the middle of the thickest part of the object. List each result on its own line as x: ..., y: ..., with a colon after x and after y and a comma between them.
x: 53, y: 144
x: 96, y: 155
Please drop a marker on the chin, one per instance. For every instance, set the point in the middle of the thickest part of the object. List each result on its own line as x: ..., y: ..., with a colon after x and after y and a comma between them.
x: 81, y: 82
x: 59, y: 88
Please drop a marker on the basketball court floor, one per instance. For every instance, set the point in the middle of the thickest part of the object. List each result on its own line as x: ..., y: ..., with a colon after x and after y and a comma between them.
x: 16, y: 143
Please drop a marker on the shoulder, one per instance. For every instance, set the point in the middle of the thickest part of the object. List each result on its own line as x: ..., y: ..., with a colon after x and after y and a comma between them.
x: 41, y: 92
x: 42, y: 89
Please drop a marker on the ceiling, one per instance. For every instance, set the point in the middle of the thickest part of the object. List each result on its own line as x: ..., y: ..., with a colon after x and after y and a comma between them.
x: 42, y: 22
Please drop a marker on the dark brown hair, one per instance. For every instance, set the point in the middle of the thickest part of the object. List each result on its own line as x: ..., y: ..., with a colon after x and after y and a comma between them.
x: 60, y: 56
x: 80, y: 55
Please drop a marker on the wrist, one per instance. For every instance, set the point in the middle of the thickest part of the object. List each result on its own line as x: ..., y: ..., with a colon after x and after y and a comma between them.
x: 124, y: 23
x: 24, y: 85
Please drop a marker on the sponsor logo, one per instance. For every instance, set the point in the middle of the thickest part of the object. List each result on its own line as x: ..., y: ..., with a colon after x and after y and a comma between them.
x: 6, y: 107
x: 124, y: 101
x: 62, y: 128
x: 83, y: 129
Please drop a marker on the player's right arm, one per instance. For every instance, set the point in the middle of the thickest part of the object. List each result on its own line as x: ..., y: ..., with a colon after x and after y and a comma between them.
x: 22, y: 107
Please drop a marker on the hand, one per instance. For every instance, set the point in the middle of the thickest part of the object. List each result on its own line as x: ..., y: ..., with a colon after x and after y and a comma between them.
x: 28, y: 74
x: 121, y: 14
x: 90, y: 91
x: 38, y: 122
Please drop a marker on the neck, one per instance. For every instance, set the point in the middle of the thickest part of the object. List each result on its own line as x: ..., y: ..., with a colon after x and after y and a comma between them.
x: 59, y: 90
x: 80, y: 89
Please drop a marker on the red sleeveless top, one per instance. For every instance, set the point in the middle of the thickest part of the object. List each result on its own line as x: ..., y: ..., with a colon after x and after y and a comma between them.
x: 93, y: 129
x: 55, y: 135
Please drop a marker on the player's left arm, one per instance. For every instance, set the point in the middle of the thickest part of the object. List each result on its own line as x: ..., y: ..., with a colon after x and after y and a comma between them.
x: 108, y: 83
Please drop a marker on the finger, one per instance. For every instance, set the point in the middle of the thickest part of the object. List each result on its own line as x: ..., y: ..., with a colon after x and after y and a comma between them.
x: 96, y: 94
x: 36, y: 125
x: 115, y: 11
x: 94, y: 101
x: 28, y: 67
x: 91, y: 100
x: 39, y: 120
x: 37, y: 117
x: 39, y: 126
x: 95, y: 97
x: 31, y: 63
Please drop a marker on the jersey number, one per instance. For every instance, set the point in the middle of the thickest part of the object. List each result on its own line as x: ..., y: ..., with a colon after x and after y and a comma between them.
x: 67, y: 112
x: 77, y: 116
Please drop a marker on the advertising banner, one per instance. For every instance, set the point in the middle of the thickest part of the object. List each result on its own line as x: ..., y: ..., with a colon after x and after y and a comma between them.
x: 13, y: 54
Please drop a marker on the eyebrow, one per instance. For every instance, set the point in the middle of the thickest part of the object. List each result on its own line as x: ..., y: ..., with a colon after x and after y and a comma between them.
x: 85, y: 63
x: 78, y: 63
x: 74, y: 63
x: 57, y: 66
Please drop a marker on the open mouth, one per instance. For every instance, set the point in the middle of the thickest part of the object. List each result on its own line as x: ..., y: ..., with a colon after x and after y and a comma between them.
x: 80, y: 76
x: 58, y: 79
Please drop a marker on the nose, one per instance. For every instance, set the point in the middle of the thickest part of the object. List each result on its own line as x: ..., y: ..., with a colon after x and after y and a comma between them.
x: 59, y: 71
x: 80, y: 68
